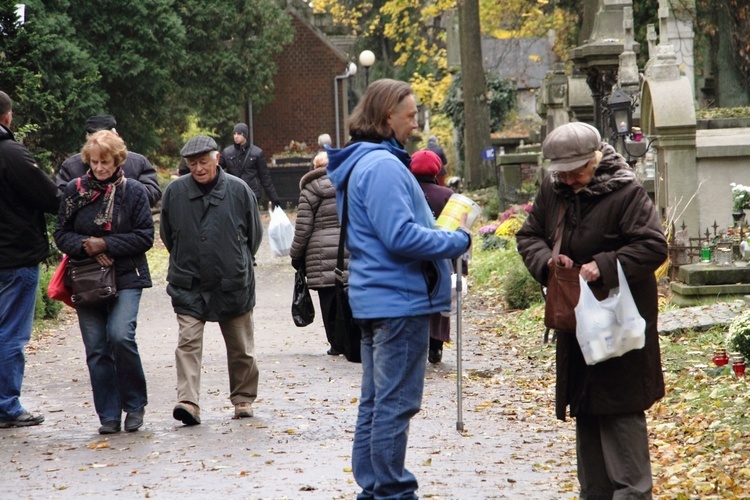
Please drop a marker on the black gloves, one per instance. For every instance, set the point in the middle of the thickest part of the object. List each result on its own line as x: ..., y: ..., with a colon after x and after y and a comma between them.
x: 276, y: 203
x: 298, y: 264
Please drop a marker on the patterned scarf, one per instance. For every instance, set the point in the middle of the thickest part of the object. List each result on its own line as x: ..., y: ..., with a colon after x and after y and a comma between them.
x: 96, y: 188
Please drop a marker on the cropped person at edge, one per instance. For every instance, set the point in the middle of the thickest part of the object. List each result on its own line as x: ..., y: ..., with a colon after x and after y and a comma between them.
x: 26, y: 194
x: 399, y: 274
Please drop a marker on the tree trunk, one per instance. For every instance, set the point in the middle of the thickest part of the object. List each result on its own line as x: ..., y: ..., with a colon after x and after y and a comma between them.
x: 476, y: 114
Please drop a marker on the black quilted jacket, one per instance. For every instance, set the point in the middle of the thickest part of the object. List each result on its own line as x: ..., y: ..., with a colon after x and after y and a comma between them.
x: 26, y: 193
x: 131, y: 237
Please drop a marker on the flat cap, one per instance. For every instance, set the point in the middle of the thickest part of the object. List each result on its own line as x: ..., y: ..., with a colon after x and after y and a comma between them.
x: 571, y: 146
x: 100, y: 122
x: 198, y: 145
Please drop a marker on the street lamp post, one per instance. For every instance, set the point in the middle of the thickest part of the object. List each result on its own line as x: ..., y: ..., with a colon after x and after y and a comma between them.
x: 367, y: 59
x: 351, y: 70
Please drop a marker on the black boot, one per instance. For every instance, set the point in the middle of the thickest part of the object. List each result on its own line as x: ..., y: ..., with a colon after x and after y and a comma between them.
x: 435, y: 356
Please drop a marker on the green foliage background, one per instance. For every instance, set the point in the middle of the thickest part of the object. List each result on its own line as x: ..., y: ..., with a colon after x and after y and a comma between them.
x: 151, y: 63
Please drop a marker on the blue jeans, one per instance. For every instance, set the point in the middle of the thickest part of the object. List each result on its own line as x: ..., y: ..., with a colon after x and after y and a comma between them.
x: 394, y: 355
x: 18, y: 287
x: 115, y: 368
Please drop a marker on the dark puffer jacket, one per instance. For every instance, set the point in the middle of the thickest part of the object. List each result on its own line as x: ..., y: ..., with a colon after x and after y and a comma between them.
x: 612, y: 218
x: 316, y: 232
x: 131, y: 237
x: 249, y: 164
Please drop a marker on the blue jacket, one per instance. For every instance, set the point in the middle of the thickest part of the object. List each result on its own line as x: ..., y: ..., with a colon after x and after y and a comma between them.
x: 399, y: 265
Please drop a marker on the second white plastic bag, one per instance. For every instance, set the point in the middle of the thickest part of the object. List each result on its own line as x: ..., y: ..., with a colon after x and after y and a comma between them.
x: 611, y: 327
x: 280, y: 233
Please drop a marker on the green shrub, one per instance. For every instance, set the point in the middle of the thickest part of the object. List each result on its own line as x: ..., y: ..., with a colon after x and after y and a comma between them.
x: 520, y: 289
x: 492, y: 208
x: 490, y: 241
x: 46, y: 308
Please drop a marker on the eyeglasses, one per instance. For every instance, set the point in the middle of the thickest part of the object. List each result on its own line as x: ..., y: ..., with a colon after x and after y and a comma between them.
x: 573, y: 175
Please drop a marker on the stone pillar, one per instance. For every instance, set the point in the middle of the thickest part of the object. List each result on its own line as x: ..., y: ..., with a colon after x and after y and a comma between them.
x: 556, y: 97
x: 599, y: 57
x: 668, y: 121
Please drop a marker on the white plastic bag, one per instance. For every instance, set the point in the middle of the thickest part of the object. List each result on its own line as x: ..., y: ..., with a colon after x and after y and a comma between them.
x: 611, y: 327
x: 454, y: 295
x: 280, y: 233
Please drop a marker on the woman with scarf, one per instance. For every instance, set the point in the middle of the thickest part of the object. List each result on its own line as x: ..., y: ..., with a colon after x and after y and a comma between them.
x: 104, y: 217
x: 605, y: 216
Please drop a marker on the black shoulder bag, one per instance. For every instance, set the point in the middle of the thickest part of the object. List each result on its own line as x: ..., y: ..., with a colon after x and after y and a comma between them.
x: 347, y: 336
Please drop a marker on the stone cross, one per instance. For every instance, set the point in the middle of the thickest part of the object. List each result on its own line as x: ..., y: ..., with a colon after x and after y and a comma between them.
x: 663, y: 18
x: 651, y: 36
x: 627, y: 26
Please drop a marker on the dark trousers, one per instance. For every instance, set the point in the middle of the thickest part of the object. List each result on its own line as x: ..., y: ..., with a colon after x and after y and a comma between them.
x: 327, y: 298
x: 613, y: 456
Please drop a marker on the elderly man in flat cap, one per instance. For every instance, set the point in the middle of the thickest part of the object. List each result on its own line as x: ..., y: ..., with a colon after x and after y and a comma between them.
x: 136, y: 166
x: 246, y: 161
x: 211, y: 227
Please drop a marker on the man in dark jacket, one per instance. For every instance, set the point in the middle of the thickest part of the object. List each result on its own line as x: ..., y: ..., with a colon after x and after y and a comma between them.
x: 26, y: 194
x: 136, y: 166
x: 246, y: 161
x: 211, y: 227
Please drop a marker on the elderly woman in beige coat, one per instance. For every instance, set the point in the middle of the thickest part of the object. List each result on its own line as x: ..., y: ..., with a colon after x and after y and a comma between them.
x: 316, y: 240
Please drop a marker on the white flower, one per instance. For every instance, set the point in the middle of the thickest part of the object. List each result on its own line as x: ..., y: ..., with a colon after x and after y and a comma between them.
x: 740, y: 197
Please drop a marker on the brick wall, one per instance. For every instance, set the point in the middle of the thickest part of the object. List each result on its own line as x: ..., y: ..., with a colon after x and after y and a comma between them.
x: 303, y: 106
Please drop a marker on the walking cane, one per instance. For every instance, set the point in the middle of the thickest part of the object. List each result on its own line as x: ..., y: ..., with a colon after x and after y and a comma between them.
x: 459, y: 377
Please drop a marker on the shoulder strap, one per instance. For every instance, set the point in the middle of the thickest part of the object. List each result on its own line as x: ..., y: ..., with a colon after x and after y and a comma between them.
x: 248, y: 155
x: 339, y: 271
x: 558, y: 232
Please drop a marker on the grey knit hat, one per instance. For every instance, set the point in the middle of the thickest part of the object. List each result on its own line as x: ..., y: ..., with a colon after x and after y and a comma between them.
x: 198, y: 145
x: 241, y: 128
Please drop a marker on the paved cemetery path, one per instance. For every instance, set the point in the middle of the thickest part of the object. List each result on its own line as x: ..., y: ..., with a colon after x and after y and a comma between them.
x: 298, y: 445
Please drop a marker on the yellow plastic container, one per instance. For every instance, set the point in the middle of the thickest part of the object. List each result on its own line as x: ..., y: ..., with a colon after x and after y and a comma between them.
x: 458, y: 204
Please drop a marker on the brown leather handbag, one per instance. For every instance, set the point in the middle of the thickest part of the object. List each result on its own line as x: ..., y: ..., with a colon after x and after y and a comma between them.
x: 563, y: 288
x: 91, y: 283
x: 563, y: 291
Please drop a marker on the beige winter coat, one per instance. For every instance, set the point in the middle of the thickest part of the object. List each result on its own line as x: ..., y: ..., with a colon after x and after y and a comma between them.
x: 316, y: 232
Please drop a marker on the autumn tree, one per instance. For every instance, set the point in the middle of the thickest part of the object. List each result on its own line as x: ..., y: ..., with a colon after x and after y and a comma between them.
x: 520, y: 19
